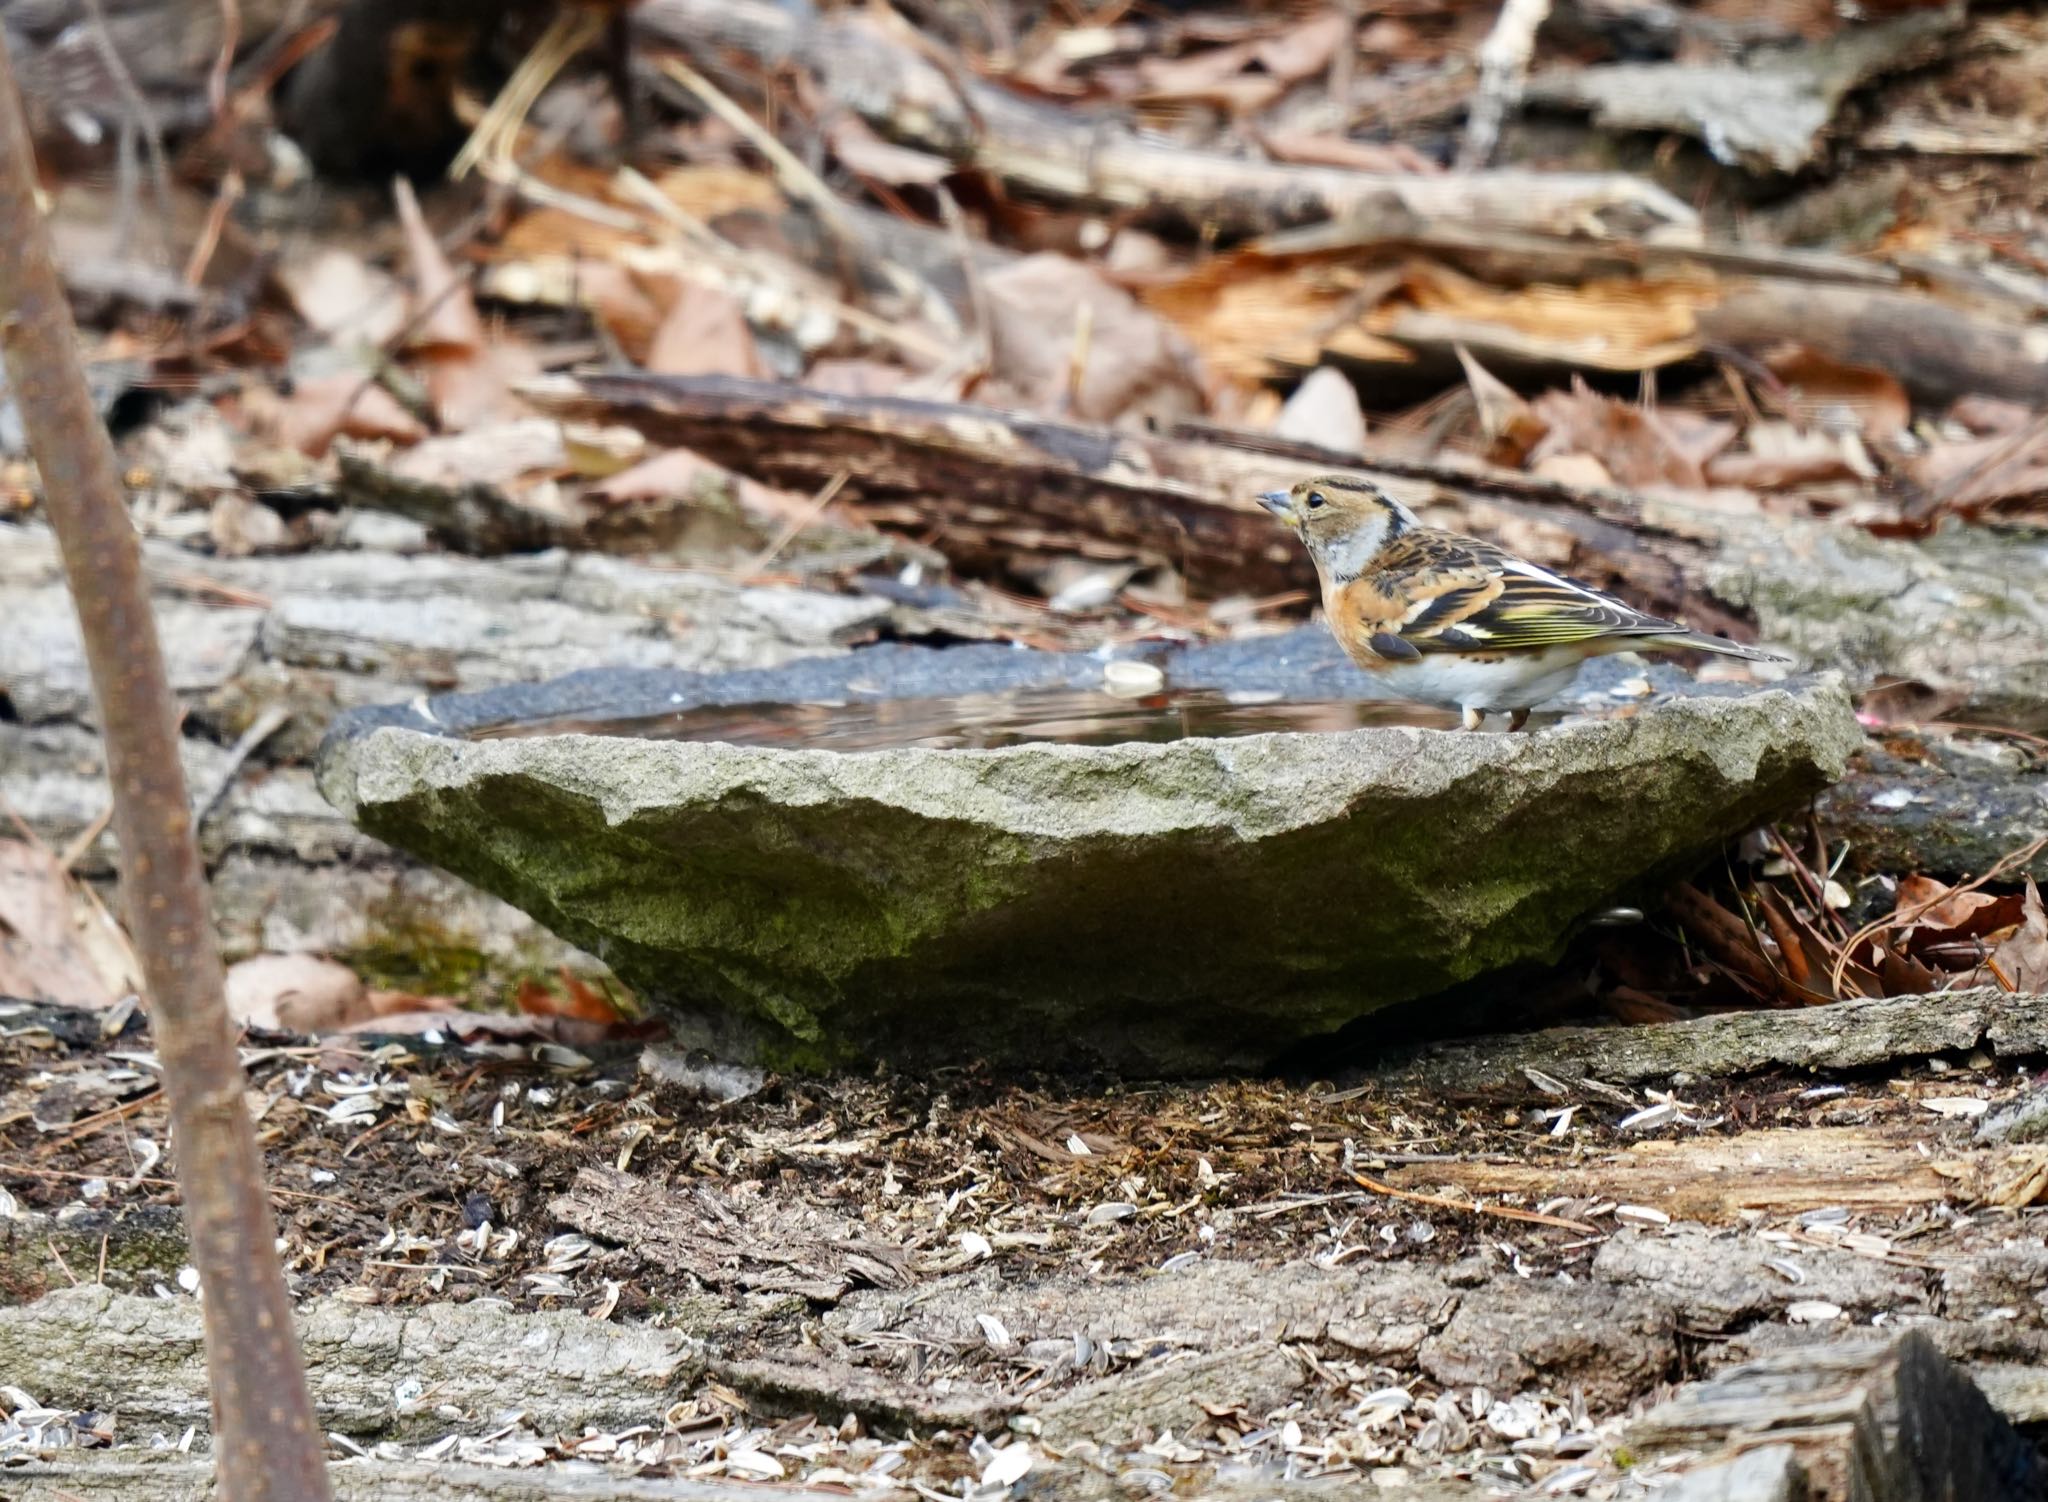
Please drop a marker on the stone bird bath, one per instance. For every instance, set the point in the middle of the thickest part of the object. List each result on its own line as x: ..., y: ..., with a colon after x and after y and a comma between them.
x: 1157, y: 906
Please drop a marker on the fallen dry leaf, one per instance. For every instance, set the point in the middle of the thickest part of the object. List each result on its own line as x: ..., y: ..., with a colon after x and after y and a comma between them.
x: 2021, y: 962
x: 404, y: 1004
x: 1988, y: 416
x: 1969, y: 913
x: 855, y: 377
x: 347, y: 404
x: 1129, y: 360
x: 866, y: 154
x: 1306, y: 48
x: 467, y: 390
x: 469, y: 377
x: 1780, y: 455
x: 577, y: 998
x: 45, y: 955
x: 342, y: 296
x: 1580, y: 471
x: 497, y: 453
x: 1216, y: 76
x: 1826, y: 391
x: 1637, y: 445
x: 1511, y: 426
x: 444, y: 316
x: 1324, y: 410
x: 660, y: 477
x: 2004, y: 472
x: 238, y: 526
x: 298, y: 993
x: 1319, y: 149
x: 596, y: 451
x: 705, y: 332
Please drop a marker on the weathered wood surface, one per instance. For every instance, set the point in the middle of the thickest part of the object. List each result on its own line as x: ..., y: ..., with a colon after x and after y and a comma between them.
x: 1845, y: 1035
x: 990, y: 487
x: 1870, y: 1421
x: 1102, y: 162
x: 126, y: 1478
x: 1771, y: 1474
x: 1783, y: 1170
x: 122, y: 1478
x: 1862, y: 1420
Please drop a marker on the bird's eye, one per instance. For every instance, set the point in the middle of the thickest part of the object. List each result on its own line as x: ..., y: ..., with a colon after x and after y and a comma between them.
x: 1317, y: 500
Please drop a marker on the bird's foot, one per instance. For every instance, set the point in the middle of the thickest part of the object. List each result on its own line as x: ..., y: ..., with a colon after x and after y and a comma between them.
x: 1517, y: 720
x: 1472, y: 718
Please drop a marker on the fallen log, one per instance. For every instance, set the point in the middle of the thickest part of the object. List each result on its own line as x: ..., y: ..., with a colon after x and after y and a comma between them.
x: 1102, y: 162
x: 997, y: 490
x: 1844, y: 1035
x: 1533, y: 308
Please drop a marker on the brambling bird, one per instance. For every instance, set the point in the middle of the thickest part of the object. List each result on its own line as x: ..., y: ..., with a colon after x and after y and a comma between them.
x: 1444, y: 619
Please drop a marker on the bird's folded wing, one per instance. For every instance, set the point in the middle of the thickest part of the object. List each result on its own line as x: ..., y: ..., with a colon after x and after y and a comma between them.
x: 1478, y: 598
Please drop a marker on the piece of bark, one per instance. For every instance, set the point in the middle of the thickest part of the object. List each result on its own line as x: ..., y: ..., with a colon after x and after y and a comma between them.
x: 1323, y: 410
x: 1769, y: 112
x: 1843, y: 1035
x: 756, y: 1245
x: 1771, y: 1474
x: 1870, y: 1422
x: 477, y: 517
x: 1102, y: 162
x: 1514, y: 256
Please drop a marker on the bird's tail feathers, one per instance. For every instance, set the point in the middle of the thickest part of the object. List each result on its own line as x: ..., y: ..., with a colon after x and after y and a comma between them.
x: 1701, y: 642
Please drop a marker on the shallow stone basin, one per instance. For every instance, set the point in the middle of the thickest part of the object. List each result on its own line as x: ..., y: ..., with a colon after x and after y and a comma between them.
x: 1156, y: 907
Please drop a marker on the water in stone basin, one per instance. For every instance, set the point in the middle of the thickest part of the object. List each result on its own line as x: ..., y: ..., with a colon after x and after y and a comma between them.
x: 986, y: 696
x: 1074, y: 716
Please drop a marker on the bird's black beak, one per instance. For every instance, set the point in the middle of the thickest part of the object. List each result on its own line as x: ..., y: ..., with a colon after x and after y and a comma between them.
x: 1280, y: 503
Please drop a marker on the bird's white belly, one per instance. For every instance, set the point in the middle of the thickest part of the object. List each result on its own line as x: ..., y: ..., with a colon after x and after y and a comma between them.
x: 1518, y: 681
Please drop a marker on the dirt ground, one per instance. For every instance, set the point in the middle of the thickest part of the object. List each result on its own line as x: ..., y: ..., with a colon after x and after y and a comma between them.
x: 1376, y: 1276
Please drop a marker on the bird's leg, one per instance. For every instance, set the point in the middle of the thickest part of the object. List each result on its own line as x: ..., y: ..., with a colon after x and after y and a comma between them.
x: 1517, y: 720
x: 1473, y: 718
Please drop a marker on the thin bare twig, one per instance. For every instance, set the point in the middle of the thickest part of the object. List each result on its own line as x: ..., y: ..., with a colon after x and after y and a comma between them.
x: 140, y: 116
x: 798, y: 523
x: 1503, y: 1212
x: 224, y: 60
x: 497, y: 133
x: 798, y: 180
x: 2006, y: 863
x: 267, y: 1447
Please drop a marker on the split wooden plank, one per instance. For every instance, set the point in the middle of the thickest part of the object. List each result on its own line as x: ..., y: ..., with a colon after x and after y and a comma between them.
x: 1714, y: 1180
